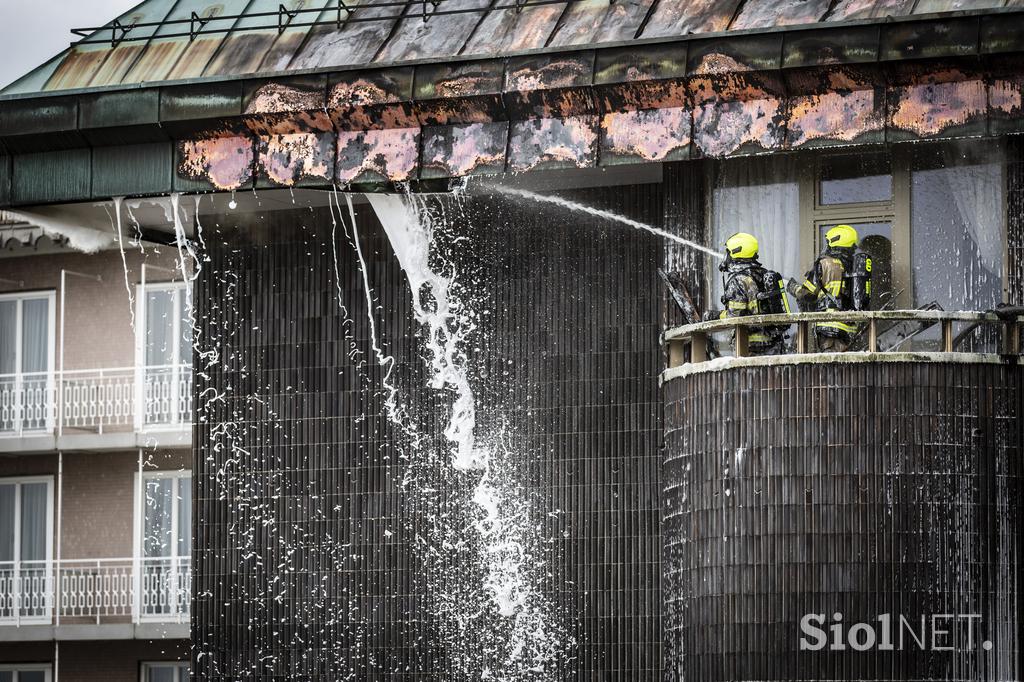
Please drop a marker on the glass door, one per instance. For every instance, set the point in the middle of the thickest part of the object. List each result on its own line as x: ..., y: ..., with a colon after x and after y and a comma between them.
x: 26, y: 363
x: 876, y: 239
x: 868, y: 190
x: 166, y: 543
x: 166, y: 357
x: 26, y: 534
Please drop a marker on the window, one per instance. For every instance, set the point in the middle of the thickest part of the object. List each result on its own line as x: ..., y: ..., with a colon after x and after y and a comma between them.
x: 165, y: 356
x: 24, y: 672
x: 165, y: 544
x: 957, y: 225
x: 931, y: 216
x: 860, y: 189
x: 163, y: 672
x: 26, y: 544
x: 855, y: 179
x: 760, y: 196
x: 26, y: 362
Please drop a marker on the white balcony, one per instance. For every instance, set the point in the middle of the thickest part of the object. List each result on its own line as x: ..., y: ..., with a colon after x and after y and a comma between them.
x: 95, y: 591
x: 123, y: 400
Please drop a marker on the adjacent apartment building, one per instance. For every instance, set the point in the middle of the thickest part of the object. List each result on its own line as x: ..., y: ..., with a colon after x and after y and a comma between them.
x: 95, y: 461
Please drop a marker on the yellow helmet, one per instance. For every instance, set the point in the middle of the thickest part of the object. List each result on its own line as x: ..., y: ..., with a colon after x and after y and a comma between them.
x: 741, y: 245
x: 842, y: 236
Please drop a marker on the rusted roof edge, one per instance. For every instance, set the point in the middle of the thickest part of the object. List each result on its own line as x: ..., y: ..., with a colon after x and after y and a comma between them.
x: 831, y: 27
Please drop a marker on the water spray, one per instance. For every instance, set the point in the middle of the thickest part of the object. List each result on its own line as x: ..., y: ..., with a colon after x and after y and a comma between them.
x: 607, y: 215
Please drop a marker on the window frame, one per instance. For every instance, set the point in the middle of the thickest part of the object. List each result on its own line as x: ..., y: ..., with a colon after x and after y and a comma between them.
x: 895, y: 211
x: 48, y: 562
x: 50, y: 296
x: 904, y: 161
x: 178, y: 288
x: 18, y: 668
x: 146, y: 666
x: 138, y: 527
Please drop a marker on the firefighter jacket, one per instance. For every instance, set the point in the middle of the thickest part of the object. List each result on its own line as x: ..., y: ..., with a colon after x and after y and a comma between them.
x: 743, y: 281
x: 827, y: 283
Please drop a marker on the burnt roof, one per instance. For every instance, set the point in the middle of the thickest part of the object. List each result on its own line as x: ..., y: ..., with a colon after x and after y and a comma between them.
x: 164, y: 41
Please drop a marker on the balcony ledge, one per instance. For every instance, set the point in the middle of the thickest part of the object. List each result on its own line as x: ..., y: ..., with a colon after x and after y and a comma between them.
x: 121, y: 631
x: 724, y: 363
x: 44, y: 444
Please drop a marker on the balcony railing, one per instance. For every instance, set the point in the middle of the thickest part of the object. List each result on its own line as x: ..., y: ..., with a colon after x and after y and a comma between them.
x: 885, y: 332
x: 96, y: 401
x: 85, y: 591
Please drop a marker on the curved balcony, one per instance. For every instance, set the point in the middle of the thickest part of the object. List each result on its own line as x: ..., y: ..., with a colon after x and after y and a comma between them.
x: 876, y: 486
x: 887, y: 335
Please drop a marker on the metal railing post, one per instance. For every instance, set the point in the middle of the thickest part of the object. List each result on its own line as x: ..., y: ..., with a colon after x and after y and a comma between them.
x: 57, y: 591
x: 136, y: 598
x: 60, y: 376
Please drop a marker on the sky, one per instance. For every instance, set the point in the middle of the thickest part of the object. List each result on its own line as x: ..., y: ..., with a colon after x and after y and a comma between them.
x: 32, y: 31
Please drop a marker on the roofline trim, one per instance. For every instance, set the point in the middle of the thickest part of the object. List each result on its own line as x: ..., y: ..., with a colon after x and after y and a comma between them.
x: 643, y: 42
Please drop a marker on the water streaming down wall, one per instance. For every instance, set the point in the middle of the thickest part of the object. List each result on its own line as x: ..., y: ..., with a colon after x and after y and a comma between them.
x: 327, y: 551
x: 862, y: 489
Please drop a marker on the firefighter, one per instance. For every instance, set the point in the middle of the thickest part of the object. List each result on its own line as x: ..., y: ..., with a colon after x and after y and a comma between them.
x: 750, y: 289
x: 839, y: 280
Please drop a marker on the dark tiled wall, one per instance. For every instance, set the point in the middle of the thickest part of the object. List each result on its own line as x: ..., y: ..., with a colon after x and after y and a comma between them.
x: 1015, y: 219
x: 861, y: 489
x: 294, y: 574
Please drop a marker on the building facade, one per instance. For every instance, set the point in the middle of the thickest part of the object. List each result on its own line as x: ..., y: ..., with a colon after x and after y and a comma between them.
x: 95, y: 462
x: 448, y: 423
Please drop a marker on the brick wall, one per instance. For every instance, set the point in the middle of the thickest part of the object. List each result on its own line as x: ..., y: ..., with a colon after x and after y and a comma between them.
x: 97, y: 661
x: 115, y: 661
x: 29, y: 465
x: 98, y: 502
x: 98, y: 315
x: 26, y: 652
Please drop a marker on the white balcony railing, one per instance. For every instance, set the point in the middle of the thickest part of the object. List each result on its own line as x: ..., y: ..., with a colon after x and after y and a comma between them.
x: 96, y: 401
x: 95, y: 591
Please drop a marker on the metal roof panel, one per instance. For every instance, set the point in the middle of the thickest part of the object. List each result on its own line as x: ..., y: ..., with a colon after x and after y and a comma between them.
x: 768, y: 13
x: 846, y: 10
x: 600, y: 21
x: 506, y: 30
x: 681, y: 17
x: 348, y: 42
x: 98, y: 64
x: 178, y: 40
x: 442, y: 35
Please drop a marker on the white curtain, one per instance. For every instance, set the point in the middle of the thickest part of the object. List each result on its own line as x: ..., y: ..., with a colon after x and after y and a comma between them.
x: 184, y: 516
x: 759, y: 195
x: 957, y: 226
x: 185, y: 345
x: 35, y: 335
x: 7, y: 522
x: 977, y: 189
x: 33, y: 521
x: 160, y: 673
x: 159, y: 503
x: 8, y: 336
x: 159, y: 327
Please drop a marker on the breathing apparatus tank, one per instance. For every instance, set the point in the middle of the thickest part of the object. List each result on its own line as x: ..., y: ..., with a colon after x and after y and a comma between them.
x: 860, y: 281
